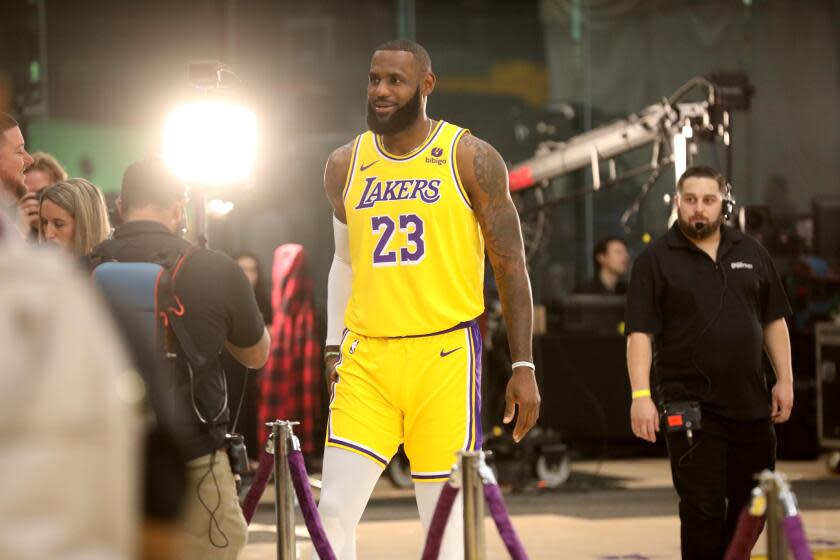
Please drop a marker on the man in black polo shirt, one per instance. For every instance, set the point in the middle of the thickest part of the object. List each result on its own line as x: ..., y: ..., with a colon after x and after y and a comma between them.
x: 704, y: 301
x: 220, y: 311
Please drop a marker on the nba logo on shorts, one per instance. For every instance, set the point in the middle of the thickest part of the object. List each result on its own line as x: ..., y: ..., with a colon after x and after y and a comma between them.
x: 353, y: 346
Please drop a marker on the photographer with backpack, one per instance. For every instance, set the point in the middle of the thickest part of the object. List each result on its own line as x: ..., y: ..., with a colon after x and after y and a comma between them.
x: 202, y: 304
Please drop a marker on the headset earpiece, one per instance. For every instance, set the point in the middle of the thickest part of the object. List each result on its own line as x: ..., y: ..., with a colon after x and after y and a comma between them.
x: 728, y: 206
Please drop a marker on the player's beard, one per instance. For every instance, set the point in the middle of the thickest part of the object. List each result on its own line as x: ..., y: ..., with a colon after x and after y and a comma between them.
x: 696, y: 233
x: 400, y: 119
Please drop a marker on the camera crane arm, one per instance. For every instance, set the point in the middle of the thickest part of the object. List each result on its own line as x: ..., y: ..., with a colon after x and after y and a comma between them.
x: 667, y: 122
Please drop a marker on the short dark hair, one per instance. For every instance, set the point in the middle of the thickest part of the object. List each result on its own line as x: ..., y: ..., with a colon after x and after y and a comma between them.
x: 601, y: 248
x: 421, y: 55
x: 703, y: 171
x: 7, y: 121
x: 150, y: 183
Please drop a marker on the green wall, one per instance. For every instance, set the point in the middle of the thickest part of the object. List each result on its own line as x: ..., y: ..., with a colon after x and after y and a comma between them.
x: 108, y: 149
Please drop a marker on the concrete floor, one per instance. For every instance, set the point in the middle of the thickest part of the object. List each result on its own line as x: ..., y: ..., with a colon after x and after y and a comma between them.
x: 606, y: 511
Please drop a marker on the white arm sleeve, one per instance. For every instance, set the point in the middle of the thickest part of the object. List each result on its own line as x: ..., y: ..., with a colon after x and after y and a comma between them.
x: 339, y: 284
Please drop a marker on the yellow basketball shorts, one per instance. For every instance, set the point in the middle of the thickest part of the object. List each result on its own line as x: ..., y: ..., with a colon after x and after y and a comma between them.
x: 423, y: 392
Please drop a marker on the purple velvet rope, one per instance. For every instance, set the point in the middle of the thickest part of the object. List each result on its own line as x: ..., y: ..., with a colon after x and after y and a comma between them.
x: 249, y: 504
x: 436, y: 528
x: 493, y: 495
x: 745, y: 537
x: 797, y: 541
x: 307, y: 506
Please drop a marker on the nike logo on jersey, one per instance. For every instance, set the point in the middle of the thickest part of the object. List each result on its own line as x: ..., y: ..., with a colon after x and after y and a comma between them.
x: 363, y: 167
x: 444, y: 354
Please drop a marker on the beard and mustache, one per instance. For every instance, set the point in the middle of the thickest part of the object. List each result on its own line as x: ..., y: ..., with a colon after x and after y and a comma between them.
x: 20, y: 189
x: 699, y: 230
x: 14, y: 189
x: 399, y: 120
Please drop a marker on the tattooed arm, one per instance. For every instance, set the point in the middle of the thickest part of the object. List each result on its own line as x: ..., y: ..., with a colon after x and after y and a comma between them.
x: 485, y: 178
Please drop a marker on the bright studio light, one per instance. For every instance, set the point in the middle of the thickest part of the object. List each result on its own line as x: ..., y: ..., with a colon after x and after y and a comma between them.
x: 218, y: 207
x: 210, y: 142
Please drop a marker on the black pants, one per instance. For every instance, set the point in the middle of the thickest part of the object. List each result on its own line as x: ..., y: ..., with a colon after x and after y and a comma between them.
x: 715, y: 477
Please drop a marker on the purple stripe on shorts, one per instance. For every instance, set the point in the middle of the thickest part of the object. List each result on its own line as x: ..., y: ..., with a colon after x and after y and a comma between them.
x: 476, y: 336
x: 357, y: 448
x: 471, y: 390
x: 429, y: 476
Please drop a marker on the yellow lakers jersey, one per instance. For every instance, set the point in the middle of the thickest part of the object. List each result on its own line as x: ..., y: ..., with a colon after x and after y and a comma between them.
x: 415, y: 245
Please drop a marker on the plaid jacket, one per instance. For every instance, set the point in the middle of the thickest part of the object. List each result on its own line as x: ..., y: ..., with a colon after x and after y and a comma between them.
x: 290, y: 383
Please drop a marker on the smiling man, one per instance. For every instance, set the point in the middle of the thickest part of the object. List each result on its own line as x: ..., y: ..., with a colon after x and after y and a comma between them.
x: 706, y: 299
x: 416, y: 201
x: 13, y: 161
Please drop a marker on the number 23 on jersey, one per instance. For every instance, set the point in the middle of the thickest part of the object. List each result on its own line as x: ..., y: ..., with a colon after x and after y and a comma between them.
x: 412, y: 253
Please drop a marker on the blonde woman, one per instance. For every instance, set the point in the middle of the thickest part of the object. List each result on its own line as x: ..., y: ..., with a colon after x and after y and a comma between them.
x: 74, y: 216
x: 44, y: 171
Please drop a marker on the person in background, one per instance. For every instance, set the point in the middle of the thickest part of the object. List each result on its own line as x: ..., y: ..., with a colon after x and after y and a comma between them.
x: 250, y: 265
x: 707, y: 302
x: 219, y: 311
x: 70, y: 414
x: 14, y: 160
x: 73, y: 215
x: 611, y: 258
x: 43, y: 172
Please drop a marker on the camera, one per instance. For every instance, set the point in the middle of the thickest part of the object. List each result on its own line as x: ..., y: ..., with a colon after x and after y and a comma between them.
x: 683, y: 416
x: 237, y: 454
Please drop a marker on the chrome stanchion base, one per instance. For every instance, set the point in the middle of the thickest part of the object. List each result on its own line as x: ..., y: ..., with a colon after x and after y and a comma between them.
x: 280, y: 443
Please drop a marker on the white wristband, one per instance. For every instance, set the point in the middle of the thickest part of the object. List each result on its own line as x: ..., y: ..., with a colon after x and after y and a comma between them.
x: 523, y: 364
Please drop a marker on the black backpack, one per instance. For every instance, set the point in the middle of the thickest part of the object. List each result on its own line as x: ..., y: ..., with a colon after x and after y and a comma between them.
x: 146, y: 291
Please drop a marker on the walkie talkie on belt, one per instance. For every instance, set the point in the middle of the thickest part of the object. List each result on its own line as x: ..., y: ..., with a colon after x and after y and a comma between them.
x: 682, y: 416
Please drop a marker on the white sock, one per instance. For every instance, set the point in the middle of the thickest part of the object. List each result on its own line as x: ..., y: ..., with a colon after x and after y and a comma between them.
x: 347, y: 481
x: 452, y: 547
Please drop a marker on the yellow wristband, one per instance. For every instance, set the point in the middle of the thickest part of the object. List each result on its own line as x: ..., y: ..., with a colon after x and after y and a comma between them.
x: 641, y: 393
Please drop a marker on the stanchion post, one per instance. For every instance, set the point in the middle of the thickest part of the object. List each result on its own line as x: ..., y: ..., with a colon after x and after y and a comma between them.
x: 771, y: 483
x: 284, y: 501
x: 473, y: 505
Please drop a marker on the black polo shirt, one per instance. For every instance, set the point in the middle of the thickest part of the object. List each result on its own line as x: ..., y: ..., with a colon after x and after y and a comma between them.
x: 707, y: 320
x: 595, y: 286
x: 219, y: 305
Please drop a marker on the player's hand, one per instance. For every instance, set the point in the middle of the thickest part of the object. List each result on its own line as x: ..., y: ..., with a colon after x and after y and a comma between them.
x: 522, y: 391
x: 28, y: 209
x: 644, y: 419
x: 782, y: 402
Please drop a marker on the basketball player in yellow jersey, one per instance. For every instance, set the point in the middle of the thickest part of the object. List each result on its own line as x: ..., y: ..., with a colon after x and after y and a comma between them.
x: 416, y: 203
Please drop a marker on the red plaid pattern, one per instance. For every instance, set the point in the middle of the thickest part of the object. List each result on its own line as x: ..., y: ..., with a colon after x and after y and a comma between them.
x: 290, y: 383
